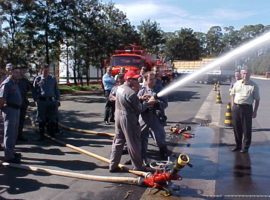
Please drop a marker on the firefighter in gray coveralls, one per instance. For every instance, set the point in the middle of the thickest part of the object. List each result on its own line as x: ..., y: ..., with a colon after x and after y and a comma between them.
x: 10, y: 104
x: 153, y: 119
x: 47, y: 96
x: 127, y: 128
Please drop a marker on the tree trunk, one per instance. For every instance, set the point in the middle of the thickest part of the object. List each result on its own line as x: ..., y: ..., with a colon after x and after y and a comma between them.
x: 75, y: 59
x: 67, y: 69
x: 47, y: 40
x: 87, y: 74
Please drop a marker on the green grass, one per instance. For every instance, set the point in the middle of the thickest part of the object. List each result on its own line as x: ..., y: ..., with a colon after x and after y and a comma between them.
x: 65, y: 89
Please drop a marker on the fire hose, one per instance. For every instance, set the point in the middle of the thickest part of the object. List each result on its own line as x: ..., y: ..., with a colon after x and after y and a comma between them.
x: 77, y: 129
x: 129, y: 180
x: 139, y: 173
x: 160, y: 179
x: 86, y: 131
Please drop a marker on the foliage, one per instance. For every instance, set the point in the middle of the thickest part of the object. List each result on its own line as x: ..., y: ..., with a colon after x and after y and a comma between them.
x: 82, y: 33
x: 65, y: 89
x: 214, y: 44
x: 183, y: 45
x: 151, y: 36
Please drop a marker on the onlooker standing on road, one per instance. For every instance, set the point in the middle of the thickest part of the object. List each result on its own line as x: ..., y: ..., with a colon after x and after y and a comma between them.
x: 141, y: 78
x: 152, y: 119
x: 243, y: 94
x: 47, y: 96
x: 237, y: 76
x: 112, y: 96
x: 25, y: 86
x: 127, y: 128
x: 119, y: 81
x: 8, y: 71
x: 108, y: 83
x: 9, y: 68
x: 10, y: 98
x: 157, y: 73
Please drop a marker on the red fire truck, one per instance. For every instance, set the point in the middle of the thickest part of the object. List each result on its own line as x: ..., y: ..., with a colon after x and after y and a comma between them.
x: 134, y: 57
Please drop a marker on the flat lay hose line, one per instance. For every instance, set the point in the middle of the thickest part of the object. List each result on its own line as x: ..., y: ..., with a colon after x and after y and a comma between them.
x: 130, y: 180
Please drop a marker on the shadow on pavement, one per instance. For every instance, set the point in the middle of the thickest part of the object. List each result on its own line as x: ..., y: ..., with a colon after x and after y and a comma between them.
x: 72, y: 119
x: 182, y: 96
x: 83, y: 99
x: 12, y: 182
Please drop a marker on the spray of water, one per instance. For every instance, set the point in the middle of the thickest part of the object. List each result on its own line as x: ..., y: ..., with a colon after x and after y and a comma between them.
x: 223, y: 59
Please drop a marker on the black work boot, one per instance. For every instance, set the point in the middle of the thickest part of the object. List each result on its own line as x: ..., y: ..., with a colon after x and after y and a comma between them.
x: 51, y: 129
x: 163, y: 153
x: 21, y: 138
x: 41, y: 131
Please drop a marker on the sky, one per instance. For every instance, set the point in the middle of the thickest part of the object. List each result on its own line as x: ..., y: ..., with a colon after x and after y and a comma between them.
x: 199, y: 15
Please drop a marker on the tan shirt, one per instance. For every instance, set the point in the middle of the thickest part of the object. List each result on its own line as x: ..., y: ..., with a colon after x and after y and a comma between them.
x: 245, y: 93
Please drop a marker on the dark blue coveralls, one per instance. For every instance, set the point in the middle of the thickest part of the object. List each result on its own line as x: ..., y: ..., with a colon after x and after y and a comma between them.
x: 47, y: 96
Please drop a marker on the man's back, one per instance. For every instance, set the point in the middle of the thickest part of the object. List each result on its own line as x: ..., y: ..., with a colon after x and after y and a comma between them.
x: 127, y: 100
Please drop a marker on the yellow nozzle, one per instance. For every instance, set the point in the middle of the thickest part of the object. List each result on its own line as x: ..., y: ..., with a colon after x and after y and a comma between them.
x: 183, y: 159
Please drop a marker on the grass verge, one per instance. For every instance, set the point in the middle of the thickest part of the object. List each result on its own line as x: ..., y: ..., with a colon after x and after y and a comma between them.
x: 70, y: 89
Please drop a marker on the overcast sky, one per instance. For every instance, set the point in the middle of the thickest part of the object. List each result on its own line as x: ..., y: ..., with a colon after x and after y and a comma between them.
x: 199, y: 15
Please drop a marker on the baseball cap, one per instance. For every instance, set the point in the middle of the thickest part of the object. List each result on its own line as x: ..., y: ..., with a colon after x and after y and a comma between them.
x: 131, y: 74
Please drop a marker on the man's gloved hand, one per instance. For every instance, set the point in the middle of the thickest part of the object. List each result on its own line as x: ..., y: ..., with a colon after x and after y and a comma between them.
x: 145, y: 97
x: 151, y: 102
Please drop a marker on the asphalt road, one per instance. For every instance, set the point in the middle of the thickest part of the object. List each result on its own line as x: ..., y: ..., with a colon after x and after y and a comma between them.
x: 216, y: 171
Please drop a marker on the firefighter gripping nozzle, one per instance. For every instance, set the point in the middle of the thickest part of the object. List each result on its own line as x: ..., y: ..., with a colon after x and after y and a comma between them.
x: 155, y: 96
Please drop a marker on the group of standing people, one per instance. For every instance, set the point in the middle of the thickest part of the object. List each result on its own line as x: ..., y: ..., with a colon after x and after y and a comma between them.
x: 14, y: 88
x: 138, y: 113
x: 244, y: 93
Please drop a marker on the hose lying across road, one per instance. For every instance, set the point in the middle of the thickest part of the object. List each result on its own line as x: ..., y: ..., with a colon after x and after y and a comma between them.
x: 129, y: 180
x: 139, y: 173
x: 77, y: 129
x: 86, y: 131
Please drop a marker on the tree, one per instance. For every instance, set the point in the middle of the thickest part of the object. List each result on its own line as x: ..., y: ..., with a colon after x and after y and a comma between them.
x: 12, y: 35
x: 202, y: 39
x: 231, y: 38
x: 151, y: 36
x: 214, y: 44
x: 251, y: 31
x: 183, y: 46
x: 41, y: 24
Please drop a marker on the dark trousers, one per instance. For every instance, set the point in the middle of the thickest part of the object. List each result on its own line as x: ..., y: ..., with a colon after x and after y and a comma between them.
x: 109, y: 107
x: 1, y: 130
x: 48, y: 116
x: 242, y: 124
x: 22, y: 119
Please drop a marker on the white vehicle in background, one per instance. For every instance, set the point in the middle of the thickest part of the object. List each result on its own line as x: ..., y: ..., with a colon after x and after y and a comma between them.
x: 220, y: 74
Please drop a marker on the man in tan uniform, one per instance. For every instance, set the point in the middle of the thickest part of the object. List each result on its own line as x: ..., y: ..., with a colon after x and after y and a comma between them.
x: 127, y: 128
x: 243, y: 94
